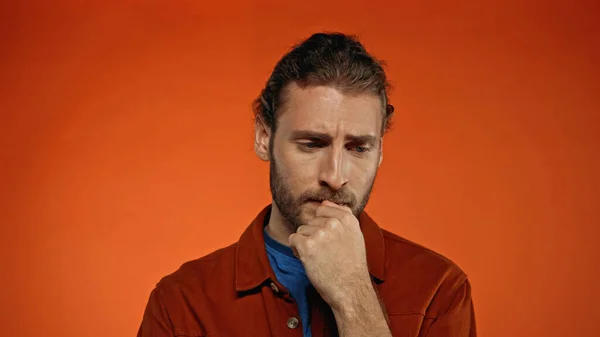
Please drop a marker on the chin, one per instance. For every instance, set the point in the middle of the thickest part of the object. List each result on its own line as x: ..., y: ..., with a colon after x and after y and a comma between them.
x: 309, y: 211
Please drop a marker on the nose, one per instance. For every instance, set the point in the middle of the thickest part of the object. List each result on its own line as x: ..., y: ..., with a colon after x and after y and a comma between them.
x: 333, y: 170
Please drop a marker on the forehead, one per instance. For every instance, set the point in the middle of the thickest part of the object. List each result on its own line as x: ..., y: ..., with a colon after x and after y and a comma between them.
x: 327, y: 109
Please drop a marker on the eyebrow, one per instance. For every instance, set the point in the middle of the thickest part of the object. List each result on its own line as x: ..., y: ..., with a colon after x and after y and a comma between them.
x: 306, y: 134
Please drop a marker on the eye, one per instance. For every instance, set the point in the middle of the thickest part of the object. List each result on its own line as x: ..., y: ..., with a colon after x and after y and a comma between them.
x: 361, y: 149
x: 311, y: 145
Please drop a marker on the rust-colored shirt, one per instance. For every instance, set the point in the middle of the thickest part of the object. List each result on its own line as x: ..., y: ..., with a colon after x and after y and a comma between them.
x: 233, y: 292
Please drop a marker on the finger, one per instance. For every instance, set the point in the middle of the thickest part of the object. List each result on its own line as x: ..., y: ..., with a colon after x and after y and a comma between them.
x: 309, y: 229
x: 326, y: 211
x: 317, y: 222
x: 295, y: 241
x: 334, y: 205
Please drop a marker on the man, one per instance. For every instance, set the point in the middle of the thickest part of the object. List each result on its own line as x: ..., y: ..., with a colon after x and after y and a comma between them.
x: 313, y: 263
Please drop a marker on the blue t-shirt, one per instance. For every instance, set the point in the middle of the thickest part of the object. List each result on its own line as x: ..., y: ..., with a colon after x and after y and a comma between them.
x: 291, y: 274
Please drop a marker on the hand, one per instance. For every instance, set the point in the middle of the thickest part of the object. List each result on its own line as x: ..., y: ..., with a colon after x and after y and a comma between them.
x: 331, y: 246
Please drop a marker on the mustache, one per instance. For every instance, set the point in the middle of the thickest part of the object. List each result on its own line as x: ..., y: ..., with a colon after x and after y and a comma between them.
x: 341, y: 197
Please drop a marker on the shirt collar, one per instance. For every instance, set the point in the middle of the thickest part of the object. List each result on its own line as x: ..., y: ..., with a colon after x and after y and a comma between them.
x: 252, y: 266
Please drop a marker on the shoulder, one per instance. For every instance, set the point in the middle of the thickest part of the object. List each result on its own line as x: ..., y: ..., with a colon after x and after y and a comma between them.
x: 404, y: 254
x: 188, y: 291
x: 215, y: 267
x: 419, y: 279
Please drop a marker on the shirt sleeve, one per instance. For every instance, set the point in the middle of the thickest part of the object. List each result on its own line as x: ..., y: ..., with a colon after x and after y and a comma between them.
x: 155, y: 322
x: 459, y: 319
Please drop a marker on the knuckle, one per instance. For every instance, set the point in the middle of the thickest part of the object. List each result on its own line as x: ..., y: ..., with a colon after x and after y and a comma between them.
x: 332, y: 223
x: 309, y: 244
x: 320, y: 233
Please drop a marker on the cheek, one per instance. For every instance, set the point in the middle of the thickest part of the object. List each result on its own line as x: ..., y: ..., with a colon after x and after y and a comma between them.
x: 300, y: 177
x: 297, y: 167
x: 298, y: 172
x: 363, y: 174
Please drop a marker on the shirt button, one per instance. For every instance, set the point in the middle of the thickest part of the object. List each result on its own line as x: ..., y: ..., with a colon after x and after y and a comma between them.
x: 274, y: 287
x: 292, y: 322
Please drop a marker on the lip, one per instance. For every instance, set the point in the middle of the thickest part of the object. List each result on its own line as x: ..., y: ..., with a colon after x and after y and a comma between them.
x: 319, y: 202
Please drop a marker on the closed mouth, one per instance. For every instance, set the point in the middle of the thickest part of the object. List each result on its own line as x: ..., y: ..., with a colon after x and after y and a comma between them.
x: 320, y: 201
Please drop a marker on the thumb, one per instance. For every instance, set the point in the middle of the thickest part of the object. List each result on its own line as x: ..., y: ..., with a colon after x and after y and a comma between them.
x: 292, y: 246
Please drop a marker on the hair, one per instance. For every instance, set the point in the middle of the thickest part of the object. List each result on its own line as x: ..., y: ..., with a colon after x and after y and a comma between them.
x: 325, y: 59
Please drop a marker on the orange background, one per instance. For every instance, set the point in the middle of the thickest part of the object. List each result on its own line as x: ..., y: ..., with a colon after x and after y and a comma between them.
x: 126, y: 136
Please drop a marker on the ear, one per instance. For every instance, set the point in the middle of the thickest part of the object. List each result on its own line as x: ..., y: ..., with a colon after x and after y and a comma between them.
x: 380, y: 151
x: 262, y: 137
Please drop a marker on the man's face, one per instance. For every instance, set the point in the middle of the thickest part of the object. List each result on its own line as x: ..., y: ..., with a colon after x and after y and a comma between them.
x: 327, y: 146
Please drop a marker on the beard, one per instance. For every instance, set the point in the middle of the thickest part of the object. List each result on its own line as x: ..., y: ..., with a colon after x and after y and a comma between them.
x: 291, y: 207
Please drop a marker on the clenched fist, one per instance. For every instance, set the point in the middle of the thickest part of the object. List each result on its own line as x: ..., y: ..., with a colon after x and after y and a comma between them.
x: 331, y: 246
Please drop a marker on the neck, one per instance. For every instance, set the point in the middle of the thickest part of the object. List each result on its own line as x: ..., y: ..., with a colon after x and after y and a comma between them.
x: 277, y: 227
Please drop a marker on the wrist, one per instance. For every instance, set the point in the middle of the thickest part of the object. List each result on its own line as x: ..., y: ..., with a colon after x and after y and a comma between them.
x: 362, y: 314
x: 355, y: 300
